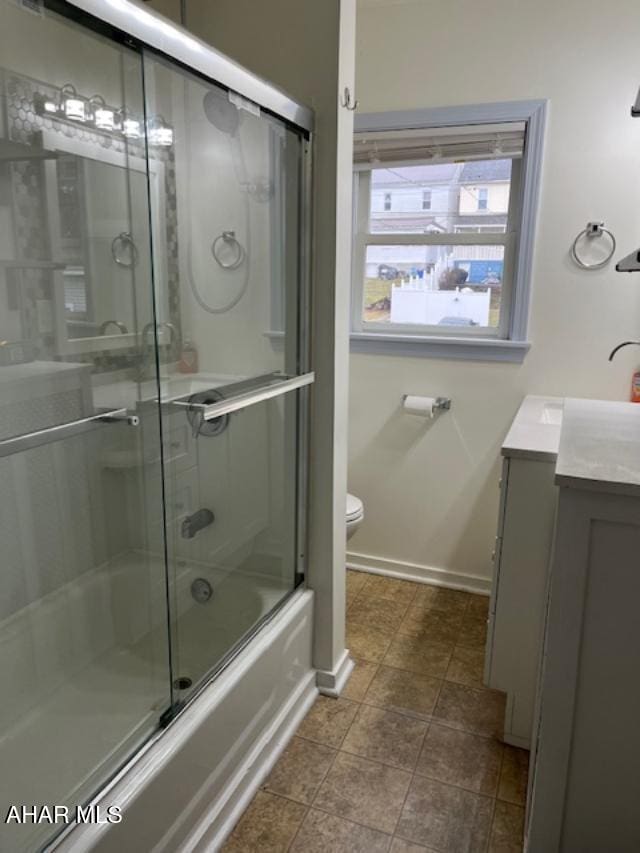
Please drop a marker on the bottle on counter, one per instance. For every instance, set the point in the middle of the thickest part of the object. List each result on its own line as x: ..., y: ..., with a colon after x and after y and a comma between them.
x: 188, y: 357
x: 635, y: 387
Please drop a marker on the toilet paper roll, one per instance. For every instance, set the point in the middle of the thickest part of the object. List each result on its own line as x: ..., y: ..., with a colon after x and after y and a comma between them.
x: 422, y: 406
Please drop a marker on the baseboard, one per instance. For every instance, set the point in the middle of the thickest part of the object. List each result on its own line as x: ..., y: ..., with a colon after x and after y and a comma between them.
x: 420, y: 574
x: 216, y: 825
x: 517, y: 740
x: 332, y: 682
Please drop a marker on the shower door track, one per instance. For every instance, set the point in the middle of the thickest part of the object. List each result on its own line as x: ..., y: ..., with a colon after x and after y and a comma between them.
x: 193, y: 53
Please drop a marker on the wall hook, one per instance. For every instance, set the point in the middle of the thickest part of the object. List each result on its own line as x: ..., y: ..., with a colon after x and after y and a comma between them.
x: 346, y: 100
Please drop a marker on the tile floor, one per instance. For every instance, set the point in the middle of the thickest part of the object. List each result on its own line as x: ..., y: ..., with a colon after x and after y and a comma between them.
x: 407, y: 759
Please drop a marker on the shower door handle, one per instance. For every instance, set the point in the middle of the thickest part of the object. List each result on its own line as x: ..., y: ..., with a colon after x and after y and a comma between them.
x: 29, y: 440
x: 211, y: 411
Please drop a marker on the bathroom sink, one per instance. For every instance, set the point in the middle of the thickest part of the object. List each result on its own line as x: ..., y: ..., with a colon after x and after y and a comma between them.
x: 552, y: 413
x: 535, y: 431
x: 174, y: 387
x: 130, y: 394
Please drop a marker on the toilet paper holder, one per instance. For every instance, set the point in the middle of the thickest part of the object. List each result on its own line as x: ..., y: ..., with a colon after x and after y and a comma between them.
x: 442, y: 404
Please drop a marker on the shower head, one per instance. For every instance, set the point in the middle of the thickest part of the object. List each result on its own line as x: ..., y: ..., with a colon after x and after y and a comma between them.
x: 220, y: 112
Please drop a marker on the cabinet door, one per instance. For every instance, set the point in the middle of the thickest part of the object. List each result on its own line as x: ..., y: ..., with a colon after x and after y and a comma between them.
x: 586, y: 784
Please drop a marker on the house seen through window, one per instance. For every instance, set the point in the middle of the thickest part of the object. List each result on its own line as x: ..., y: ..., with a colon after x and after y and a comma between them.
x: 437, y: 230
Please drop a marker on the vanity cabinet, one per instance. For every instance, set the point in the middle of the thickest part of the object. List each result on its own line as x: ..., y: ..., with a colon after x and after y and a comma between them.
x: 521, y: 560
x: 585, y: 786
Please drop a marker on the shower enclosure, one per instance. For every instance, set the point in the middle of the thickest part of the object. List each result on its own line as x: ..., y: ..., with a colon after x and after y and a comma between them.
x: 153, y: 383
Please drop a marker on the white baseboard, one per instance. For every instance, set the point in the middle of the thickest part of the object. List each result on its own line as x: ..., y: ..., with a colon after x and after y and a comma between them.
x: 332, y: 682
x: 420, y: 574
x: 216, y: 825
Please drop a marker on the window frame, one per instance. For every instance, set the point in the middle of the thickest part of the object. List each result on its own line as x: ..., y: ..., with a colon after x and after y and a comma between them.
x: 509, y: 342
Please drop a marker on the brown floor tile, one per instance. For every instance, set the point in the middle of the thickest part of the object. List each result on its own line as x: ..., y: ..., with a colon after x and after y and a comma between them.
x: 440, y: 625
x: 392, y: 589
x: 364, y: 791
x: 351, y: 596
x: 300, y: 770
x: 462, y: 759
x: 478, y: 606
x: 508, y: 829
x: 269, y: 823
x: 404, y: 692
x: 440, y: 598
x: 360, y: 679
x: 328, y: 720
x: 385, y: 736
x: 449, y: 819
x: 379, y: 613
x: 466, y: 666
x: 321, y: 832
x: 473, y: 632
x: 514, y: 776
x: 416, y: 654
x: 471, y: 709
x: 367, y: 643
x: 414, y: 702
x: 399, y: 845
x: 354, y: 584
x: 355, y: 580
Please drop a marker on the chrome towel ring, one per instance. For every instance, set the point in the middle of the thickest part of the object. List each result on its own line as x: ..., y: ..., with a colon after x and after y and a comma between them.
x: 591, y: 232
x: 124, y: 251
x: 228, y: 238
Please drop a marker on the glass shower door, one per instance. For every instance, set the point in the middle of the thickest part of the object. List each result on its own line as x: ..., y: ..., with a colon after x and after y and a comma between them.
x: 233, y: 398
x: 84, y: 659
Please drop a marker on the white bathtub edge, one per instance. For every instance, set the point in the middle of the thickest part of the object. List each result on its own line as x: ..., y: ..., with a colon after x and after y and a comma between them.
x: 214, y: 821
x: 216, y: 825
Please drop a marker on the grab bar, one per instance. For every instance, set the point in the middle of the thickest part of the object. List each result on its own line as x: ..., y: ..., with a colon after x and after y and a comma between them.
x: 30, y: 440
x: 210, y: 411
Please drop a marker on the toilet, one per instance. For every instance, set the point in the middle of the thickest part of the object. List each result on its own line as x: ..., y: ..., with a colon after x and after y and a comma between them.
x: 355, y: 514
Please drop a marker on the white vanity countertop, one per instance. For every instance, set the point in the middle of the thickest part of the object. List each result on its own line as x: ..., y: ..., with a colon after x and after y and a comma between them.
x: 535, y: 431
x: 600, y: 446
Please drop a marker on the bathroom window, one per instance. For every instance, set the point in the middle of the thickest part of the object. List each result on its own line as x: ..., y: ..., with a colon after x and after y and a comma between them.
x: 448, y: 275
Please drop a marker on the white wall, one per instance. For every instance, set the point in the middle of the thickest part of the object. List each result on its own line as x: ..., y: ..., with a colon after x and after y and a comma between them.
x: 430, y: 493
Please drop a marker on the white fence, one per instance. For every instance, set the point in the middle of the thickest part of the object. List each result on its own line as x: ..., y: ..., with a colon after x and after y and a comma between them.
x: 428, y: 307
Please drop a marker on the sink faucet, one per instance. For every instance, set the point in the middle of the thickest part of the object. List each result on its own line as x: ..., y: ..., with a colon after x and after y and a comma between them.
x: 613, y: 352
x: 104, y: 326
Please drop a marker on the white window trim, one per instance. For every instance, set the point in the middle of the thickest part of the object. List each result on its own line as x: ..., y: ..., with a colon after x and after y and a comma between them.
x: 510, y: 343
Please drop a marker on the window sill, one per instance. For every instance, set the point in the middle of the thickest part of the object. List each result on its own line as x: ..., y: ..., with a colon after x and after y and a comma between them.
x: 465, y: 349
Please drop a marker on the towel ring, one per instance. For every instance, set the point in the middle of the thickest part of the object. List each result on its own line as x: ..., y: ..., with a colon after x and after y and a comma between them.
x: 121, y: 246
x: 229, y: 238
x: 593, y: 230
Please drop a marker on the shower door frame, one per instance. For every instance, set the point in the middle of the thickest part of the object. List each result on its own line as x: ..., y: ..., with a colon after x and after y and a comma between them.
x: 148, y: 32
x: 152, y: 30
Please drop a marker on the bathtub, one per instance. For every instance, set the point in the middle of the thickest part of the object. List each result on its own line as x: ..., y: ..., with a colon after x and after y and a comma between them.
x: 184, y: 787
